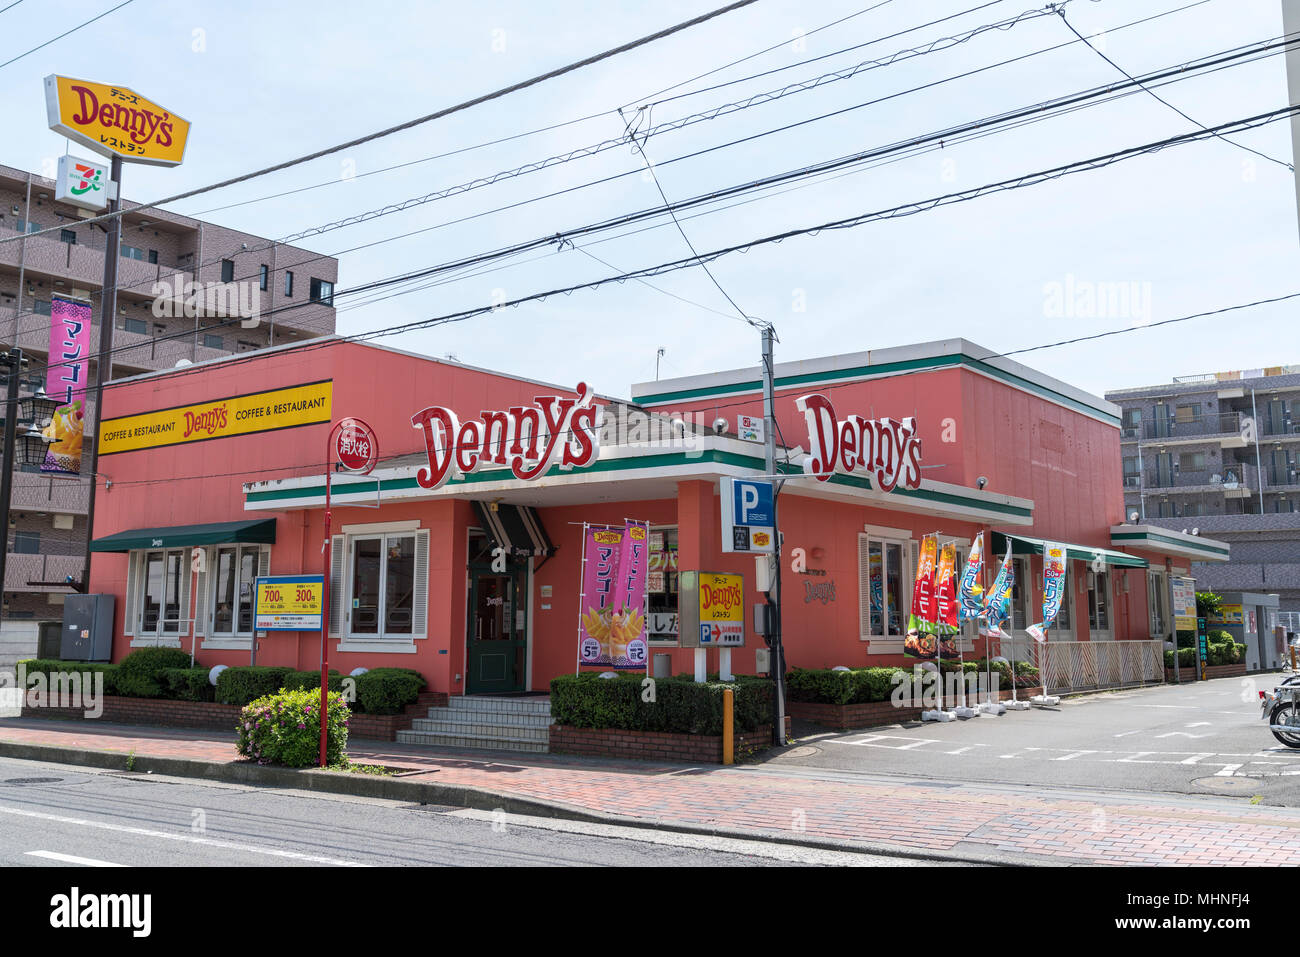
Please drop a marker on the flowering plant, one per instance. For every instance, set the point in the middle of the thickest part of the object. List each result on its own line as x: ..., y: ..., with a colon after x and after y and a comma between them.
x: 284, y: 728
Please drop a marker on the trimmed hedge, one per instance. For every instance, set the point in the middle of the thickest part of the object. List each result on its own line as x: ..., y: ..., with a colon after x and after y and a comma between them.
x: 681, y: 705
x: 138, y: 672
x: 50, y: 666
x: 310, y: 681
x: 246, y: 683
x: 186, y: 684
x: 386, y: 690
x: 857, y: 686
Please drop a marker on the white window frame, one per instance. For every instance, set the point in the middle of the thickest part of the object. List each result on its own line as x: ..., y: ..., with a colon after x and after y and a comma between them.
x: 1095, y: 633
x: 206, y: 617
x: 885, y: 644
x: 136, y: 570
x: 676, y: 642
x: 1158, y: 599
x: 341, y: 625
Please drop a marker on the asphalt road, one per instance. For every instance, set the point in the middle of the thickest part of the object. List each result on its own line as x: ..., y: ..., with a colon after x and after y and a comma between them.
x: 1204, y: 738
x: 53, y: 815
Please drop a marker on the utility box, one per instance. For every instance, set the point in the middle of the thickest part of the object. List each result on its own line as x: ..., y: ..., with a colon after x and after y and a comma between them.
x: 87, y: 628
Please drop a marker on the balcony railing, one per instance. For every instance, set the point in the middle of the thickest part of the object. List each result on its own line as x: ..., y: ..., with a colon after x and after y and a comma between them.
x: 1226, y: 423
x: 50, y: 569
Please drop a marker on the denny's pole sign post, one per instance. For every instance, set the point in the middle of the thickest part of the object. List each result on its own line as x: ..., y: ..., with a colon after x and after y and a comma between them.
x: 287, y: 408
x: 115, y: 121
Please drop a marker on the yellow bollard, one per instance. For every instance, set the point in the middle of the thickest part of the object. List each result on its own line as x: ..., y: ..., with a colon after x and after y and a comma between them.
x: 728, y: 717
x: 1293, y: 657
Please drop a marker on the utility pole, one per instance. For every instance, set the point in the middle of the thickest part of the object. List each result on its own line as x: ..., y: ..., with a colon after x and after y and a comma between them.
x: 774, y: 596
x: 104, y: 367
x: 12, y: 362
x: 1291, y: 27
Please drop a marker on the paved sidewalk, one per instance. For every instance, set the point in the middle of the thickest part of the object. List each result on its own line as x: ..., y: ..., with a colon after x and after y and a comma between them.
x: 795, y: 804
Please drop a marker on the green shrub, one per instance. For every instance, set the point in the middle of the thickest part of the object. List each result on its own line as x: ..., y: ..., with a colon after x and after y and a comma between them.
x: 310, y: 681
x: 856, y: 686
x: 246, y: 683
x: 1186, y: 658
x: 52, y: 666
x: 186, y: 684
x: 385, y: 690
x: 138, y: 672
x: 284, y: 728
x: 681, y: 705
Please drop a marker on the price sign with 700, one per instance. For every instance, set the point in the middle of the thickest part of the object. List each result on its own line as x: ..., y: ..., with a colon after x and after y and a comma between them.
x: 289, y: 603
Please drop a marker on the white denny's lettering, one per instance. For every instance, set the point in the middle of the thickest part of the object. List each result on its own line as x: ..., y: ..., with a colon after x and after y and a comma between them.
x: 886, y: 449
x: 555, y: 430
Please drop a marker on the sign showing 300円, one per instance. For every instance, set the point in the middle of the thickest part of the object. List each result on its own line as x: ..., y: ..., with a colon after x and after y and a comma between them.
x: 286, y: 408
x: 115, y: 121
x: 289, y: 603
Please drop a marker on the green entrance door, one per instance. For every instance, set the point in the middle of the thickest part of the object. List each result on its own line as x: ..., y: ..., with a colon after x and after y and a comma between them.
x: 497, y: 658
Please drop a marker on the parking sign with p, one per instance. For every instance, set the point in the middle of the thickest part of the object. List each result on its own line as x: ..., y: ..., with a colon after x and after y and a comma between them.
x: 748, y: 516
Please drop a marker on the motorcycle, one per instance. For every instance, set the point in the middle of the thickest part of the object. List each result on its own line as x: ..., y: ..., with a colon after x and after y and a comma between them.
x: 1281, y: 707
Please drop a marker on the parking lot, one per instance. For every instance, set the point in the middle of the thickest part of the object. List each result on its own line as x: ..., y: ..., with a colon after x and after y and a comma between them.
x: 1204, y: 738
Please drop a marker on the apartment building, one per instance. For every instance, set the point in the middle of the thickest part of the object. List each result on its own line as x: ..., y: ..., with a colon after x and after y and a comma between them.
x: 1219, y: 453
x: 295, y: 287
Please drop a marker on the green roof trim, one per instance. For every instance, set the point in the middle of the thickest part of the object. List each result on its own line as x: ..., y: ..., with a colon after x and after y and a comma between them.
x: 1082, y: 553
x: 1141, y: 538
x: 952, y: 360
x: 258, y: 531
x: 610, y: 466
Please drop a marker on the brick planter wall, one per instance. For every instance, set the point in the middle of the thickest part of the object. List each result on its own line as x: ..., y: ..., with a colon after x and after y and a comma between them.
x: 847, y: 717
x: 210, y: 715
x: 655, y: 745
x: 1211, y: 671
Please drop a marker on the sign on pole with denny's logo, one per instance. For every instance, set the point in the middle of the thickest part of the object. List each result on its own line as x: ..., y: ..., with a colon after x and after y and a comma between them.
x: 115, y: 121
x: 285, y: 408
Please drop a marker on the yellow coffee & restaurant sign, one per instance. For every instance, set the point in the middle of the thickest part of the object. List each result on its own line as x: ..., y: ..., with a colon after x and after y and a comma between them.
x: 115, y: 121
x: 286, y: 408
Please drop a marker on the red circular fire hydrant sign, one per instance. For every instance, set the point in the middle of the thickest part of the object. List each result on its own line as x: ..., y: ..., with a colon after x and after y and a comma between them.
x: 355, y: 446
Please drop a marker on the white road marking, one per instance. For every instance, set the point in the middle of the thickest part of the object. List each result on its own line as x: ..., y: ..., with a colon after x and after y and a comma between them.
x: 1227, y: 770
x: 1136, y: 755
x: 69, y: 859
x: 1195, y: 758
x: 959, y: 751
x: 175, y: 836
x: 1199, y: 724
x: 1181, y: 734
x: 1125, y: 734
x: 1072, y: 755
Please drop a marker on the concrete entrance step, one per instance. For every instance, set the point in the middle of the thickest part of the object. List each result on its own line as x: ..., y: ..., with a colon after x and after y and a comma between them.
x: 450, y: 740
x: 471, y: 719
x: 538, y: 705
x: 539, y: 733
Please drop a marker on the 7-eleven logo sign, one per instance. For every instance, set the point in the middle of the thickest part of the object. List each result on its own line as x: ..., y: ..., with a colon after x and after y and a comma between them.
x: 83, y: 183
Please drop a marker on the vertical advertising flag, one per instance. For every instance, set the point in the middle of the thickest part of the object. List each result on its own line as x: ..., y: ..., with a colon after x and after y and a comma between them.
x: 998, y: 607
x: 922, y: 623
x: 971, y: 595
x: 65, y: 382
x: 601, y: 551
x: 1053, y: 588
x: 945, y: 591
x: 627, y: 644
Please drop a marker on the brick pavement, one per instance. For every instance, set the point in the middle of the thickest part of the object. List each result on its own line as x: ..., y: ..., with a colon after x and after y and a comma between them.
x: 802, y: 803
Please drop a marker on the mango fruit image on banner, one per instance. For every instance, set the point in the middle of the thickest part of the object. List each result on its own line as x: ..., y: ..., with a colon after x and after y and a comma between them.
x: 65, y: 433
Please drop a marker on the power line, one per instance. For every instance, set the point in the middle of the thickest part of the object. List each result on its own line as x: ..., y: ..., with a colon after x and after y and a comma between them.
x: 429, y: 117
x: 341, y: 224
x: 1029, y: 179
x: 983, y: 125
x: 61, y: 35
x: 1060, y: 11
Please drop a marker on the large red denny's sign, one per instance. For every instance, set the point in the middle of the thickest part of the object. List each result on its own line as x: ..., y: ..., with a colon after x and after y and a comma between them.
x: 555, y: 430
x: 886, y: 449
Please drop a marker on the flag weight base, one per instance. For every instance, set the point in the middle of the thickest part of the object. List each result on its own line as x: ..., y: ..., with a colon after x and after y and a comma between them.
x: 965, y: 712
x: 937, y: 715
x: 1016, y: 705
x: 992, y: 707
x: 1045, y: 700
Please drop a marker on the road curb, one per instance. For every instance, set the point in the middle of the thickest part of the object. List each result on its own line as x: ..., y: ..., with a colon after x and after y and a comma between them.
x: 460, y: 796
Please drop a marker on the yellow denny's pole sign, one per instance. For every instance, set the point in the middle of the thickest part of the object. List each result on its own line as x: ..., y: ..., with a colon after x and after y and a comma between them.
x: 115, y: 120
x: 235, y: 415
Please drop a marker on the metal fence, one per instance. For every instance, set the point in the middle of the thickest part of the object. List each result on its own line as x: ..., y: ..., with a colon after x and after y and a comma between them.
x: 1090, y: 665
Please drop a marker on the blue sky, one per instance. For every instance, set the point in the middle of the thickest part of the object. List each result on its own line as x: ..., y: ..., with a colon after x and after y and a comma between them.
x: 1194, y: 228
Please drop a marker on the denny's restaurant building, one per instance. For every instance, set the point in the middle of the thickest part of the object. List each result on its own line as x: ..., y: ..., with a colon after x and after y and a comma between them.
x: 461, y: 554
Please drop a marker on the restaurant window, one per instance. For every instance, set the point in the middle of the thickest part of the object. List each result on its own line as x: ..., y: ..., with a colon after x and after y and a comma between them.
x: 386, y: 578
x: 1158, y: 603
x: 227, y: 270
x: 1098, y: 601
x: 661, y: 586
x: 884, y: 590
x: 158, y: 594
x: 234, y: 570
x: 1022, y: 593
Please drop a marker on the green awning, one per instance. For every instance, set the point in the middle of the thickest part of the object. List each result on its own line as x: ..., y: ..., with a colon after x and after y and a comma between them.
x: 1084, y: 553
x: 252, y: 532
